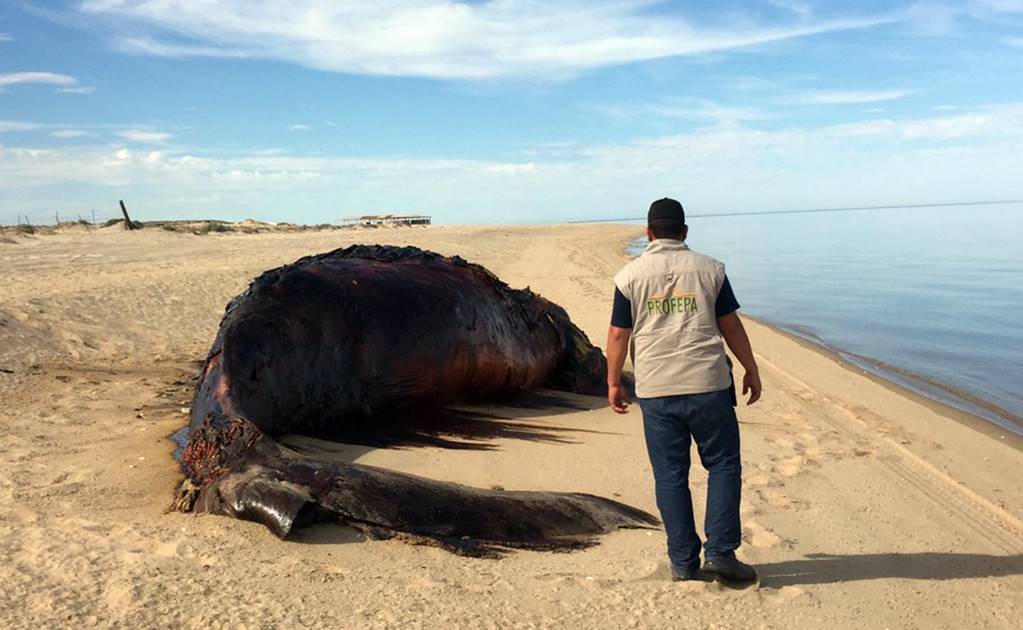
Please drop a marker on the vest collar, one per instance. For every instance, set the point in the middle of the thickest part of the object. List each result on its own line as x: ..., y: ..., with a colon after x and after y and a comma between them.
x: 665, y: 245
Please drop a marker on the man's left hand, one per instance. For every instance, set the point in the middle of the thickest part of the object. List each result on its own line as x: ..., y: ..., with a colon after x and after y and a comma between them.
x: 751, y: 386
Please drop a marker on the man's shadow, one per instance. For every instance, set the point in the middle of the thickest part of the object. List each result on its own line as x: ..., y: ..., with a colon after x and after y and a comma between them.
x: 831, y: 569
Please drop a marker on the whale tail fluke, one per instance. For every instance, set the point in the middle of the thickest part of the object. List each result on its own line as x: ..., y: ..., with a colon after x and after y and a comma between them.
x: 270, y: 484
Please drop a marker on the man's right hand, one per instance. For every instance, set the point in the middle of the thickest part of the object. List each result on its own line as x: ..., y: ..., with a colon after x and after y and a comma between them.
x: 619, y: 398
x: 751, y: 385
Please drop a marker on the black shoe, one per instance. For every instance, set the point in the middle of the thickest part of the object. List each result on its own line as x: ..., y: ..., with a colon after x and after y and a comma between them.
x: 729, y: 569
x: 695, y: 575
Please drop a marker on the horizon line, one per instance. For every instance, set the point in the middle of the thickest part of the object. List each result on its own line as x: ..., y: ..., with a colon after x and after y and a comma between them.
x: 748, y: 213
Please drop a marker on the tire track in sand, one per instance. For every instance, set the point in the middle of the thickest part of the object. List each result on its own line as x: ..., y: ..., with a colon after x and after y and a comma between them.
x: 974, y: 512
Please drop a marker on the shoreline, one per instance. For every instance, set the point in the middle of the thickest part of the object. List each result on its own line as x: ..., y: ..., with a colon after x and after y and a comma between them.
x: 951, y: 412
x: 881, y: 368
x: 976, y: 422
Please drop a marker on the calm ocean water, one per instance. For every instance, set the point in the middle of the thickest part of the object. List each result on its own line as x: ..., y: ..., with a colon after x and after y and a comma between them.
x: 931, y: 298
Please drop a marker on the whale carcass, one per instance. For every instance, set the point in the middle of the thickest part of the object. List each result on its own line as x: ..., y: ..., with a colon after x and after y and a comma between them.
x: 363, y: 333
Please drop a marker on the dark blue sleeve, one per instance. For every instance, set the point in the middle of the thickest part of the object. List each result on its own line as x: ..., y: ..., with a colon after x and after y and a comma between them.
x: 621, y: 313
x: 725, y: 303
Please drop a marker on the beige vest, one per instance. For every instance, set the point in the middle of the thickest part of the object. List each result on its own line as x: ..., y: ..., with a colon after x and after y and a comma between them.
x: 676, y: 345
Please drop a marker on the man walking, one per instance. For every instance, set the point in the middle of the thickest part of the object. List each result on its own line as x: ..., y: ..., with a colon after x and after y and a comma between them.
x: 675, y: 306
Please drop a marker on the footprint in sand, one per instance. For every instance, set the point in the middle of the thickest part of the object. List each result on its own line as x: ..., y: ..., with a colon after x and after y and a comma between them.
x: 756, y: 535
x: 121, y: 593
x: 775, y: 499
x: 786, y: 443
x: 761, y: 481
x: 790, y: 467
x: 790, y: 417
x: 784, y: 594
x: 86, y: 525
x: 174, y: 549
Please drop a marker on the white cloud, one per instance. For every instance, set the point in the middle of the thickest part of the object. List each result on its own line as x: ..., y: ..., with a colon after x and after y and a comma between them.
x: 550, y: 151
x: 76, y: 130
x: 840, y: 97
x: 511, y: 168
x: 952, y: 157
x: 48, y: 78
x: 145, y: 137
x: 69, y: 133
x: 802, y: 9
x: 696, y: 109
x: 986, y: 122
x: 1015, y: 41
x: 18, y: 125
x: 997, y: 6
x: 961, y: 155
x: 4, y: 37
x: 439, y: 38
x: 299, y: 128
x: 149, y: 46
x: 84, y: 89
x: 747, y: 83
x: 943, y: 17
x: 67, y: 83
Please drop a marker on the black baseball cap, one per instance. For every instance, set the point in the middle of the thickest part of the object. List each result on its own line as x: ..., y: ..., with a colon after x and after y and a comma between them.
x: 666, y: 209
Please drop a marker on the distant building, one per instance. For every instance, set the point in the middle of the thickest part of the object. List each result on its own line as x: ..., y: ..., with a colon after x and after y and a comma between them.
x: 373, y: 220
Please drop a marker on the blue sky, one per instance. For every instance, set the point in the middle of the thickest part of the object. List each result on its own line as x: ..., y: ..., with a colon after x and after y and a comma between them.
x: 506, y: 111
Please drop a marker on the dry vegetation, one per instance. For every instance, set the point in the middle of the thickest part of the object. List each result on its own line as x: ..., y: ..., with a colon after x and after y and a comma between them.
x: 12, y: 234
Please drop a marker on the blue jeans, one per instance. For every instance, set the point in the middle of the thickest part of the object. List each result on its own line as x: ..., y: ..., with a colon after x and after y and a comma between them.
x: 669, y: 425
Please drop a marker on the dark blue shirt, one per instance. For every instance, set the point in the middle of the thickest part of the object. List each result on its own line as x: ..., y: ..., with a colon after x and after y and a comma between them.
x: 621, y: 312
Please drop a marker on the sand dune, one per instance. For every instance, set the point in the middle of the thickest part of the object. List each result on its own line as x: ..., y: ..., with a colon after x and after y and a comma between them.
x: 864, y: 506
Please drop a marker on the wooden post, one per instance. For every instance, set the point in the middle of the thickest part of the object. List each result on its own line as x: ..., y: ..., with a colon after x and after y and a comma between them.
x: 93, y: 217
x: 127, y: 220
x: 56, y: 217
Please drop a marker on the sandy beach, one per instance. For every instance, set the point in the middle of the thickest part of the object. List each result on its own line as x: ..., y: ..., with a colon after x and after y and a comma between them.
x: 864, y: 506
